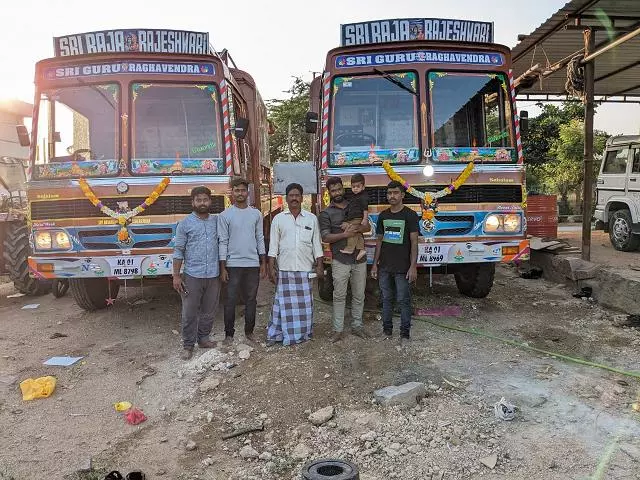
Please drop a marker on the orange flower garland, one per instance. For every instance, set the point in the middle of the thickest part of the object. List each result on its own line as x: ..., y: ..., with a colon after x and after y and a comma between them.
x: 429, y: 210
x: 123, y: 218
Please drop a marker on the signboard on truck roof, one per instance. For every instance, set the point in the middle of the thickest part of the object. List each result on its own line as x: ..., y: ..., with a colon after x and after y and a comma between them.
x: 133, y: 40
x: 403, y: 29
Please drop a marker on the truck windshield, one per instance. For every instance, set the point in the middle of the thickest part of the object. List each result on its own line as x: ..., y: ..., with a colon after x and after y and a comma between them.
x: 82, y: 130
x: 470, y: 110
x: 175, y: 128
x: 375, y: 119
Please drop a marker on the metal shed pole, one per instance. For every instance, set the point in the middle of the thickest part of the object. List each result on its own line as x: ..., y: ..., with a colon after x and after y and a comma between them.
x: 587, y: 186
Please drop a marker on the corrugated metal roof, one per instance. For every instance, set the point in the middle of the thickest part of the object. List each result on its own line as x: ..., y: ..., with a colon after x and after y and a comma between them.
x: 617, y: 72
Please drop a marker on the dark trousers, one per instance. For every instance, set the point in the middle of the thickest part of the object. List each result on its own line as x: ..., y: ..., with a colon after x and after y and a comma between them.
x: 199, y: 306
x: 242, y: 281
x: 402, y: 295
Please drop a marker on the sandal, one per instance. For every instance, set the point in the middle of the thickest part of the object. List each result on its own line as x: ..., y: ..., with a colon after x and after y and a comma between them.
x: 114, y: 475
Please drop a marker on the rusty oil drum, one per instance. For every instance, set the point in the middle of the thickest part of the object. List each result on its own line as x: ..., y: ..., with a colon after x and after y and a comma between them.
x: 542, y: 216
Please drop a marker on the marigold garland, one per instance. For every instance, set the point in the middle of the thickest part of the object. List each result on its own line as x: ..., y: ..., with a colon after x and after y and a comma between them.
x: 123, y: 218
x: 429, y: 200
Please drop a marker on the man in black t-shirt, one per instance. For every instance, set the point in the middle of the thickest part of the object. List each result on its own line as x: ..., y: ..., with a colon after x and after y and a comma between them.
x: 396, y: 258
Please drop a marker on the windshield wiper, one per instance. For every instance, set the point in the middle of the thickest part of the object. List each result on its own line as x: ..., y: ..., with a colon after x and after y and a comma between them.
x: 395, y: 81
x: 96, y: 89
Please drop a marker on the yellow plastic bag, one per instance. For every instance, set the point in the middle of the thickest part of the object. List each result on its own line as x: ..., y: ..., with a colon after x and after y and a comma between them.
x: 41, y: 387
x: 122, y: 406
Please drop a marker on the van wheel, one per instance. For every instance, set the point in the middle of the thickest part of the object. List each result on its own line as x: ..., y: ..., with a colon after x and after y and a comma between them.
x: 620, y: 232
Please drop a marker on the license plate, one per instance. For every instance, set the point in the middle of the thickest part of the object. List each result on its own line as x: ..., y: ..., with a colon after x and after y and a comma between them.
x: 433, y: 254
x: 125, y: 266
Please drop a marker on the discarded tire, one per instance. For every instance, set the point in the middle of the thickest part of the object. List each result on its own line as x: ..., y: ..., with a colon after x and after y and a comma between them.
x: 328, y: 469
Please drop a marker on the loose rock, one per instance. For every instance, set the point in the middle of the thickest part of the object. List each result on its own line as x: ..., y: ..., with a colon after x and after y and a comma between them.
x: 248, y: 452
x: 191, y: 446
x: 408, y: 394
x: 369, y: 436
x: 490, y: 461
x: 301, y: 452
x: 209, y: 383
x: 266, y: 456
x: 322, y: 416
x: 244, y: 354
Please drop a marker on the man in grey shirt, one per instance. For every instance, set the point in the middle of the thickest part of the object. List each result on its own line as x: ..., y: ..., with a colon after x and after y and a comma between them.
x: 242, y: 258
x: 196, y: 247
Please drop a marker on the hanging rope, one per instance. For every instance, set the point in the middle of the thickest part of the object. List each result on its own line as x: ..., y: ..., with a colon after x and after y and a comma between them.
x: 575, y: 77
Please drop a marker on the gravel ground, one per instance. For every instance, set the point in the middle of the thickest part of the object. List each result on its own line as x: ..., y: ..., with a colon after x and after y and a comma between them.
x: 571, y: 419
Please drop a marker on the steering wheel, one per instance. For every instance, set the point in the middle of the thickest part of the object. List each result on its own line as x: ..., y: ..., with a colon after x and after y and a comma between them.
x: 367, y: 139
x: 75, y: 155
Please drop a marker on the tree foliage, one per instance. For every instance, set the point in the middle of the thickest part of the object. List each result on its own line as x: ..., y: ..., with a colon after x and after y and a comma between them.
x: 545, y: 128
x: 294, y: 109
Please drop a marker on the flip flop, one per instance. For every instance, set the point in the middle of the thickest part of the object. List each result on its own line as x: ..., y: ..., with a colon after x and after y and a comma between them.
x: 114, y: 475
x: 137, y: 475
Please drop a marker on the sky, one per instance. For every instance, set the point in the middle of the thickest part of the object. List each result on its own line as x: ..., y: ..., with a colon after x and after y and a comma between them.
x: 273, y: 40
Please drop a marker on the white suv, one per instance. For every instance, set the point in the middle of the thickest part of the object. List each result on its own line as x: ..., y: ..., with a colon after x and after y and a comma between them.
x: 618, y: 192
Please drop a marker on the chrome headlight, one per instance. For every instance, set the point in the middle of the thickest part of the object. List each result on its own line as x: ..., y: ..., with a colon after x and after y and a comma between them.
x: 492, y: 223
x: 512, y: 223
x: 61, y: 240
x: 52, y: 240
x: 43, y: 240
x: 503, y: 223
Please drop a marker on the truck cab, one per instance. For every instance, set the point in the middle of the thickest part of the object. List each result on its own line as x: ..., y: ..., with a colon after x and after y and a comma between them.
x: 618, y: 192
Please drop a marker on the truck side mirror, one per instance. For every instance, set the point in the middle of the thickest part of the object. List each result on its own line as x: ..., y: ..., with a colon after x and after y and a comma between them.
x: 242, y: 124
x: 23, y: 135
x: 524, y: 122
x: 311, y: 122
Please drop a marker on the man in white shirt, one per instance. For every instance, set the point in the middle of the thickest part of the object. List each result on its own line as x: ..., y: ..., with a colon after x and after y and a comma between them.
x: 295, y: 245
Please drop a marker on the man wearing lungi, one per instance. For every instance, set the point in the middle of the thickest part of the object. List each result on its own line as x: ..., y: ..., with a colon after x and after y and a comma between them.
x: 295, y: 246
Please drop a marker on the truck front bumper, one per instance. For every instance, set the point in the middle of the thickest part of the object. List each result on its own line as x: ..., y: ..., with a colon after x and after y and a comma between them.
x: 116, y: 266
x: 456, y: 253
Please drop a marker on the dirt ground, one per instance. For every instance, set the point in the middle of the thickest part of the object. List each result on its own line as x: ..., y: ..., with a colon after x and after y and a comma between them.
x: 601, y: 250
x: 572, y: 421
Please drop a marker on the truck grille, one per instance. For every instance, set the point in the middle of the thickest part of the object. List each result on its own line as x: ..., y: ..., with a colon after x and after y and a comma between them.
x: 465, y: 194
x: 452, y: 225
x: 107, y: 238
x: 82, y: 208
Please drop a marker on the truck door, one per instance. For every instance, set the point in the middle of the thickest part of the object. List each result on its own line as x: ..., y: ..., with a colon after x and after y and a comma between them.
x: 613, y: 178
x: 633, y: 182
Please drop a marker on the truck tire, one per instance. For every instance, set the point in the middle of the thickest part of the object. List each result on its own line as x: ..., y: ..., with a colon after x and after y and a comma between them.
x: 325, y: 286
x: 91, y: 293
x: 475, y: 279
x: 16, y: 257
x: 59, y: 287
x: 620, y: 233
x: 329, y: 469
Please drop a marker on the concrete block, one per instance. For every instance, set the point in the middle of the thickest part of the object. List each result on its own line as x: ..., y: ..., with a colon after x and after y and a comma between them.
x: 408, y: 394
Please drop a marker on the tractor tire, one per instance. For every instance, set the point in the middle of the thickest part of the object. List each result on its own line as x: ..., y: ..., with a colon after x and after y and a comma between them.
x: 475, y: 279
x: 16, y: 257
x: 91, y: 293
x: 620, y: 232
x: 329, y: 469
x: 325, y: 286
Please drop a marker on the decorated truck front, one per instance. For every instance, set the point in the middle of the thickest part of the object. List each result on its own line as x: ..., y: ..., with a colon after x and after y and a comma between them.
x: 428, y: 102
x: 126, y: 123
